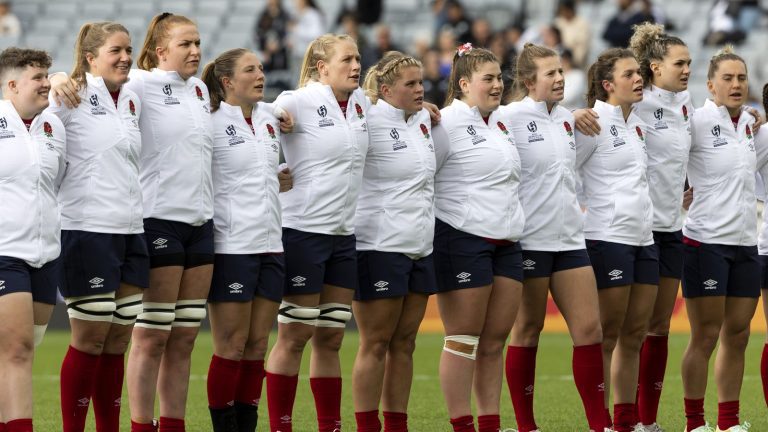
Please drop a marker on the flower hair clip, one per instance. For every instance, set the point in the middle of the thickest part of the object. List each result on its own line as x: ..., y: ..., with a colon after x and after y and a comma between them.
x: 463, y: 49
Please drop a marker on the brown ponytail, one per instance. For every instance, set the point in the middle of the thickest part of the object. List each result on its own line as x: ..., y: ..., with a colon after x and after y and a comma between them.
x: 215, y: 71
x: 157, y: 35
x: 724, y: 54
x: 526, y: 69
x: 602, y: 70
x: 91, y: 37
x: 650, y: 43
x: 464, y: 64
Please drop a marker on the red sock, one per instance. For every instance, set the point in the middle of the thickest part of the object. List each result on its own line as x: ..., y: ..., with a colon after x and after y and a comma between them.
x: 143, y: 427
x: 727, y: 414
x: 521, y: 373
x: 368, y: 421
x: 2, y: 427
x: 653, y: 365
x: 222, y: 382
x: 168, y: 424
x: 694, y: 413
x: 608, y: 420
x: 77, y: 380
x: 395, y: 422
x: 588, y: 376
x: 764, y: 372
x: 624, y: 419
x: 107, y: 393
x: 488, y: 423
x: 281, y: 393
x: 250, y: 382
x: 463, y: 424
x: 327, y: 393
x: 19, y: 425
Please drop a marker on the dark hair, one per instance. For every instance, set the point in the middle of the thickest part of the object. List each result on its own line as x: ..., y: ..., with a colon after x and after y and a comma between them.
x: 765, y: 97
x: 14, y: 58
x: 222, y: 66
x: 602, y: 70
x: 464, y: 64
x: 649, y: 43
x: 724, y: 54
x: 91, y: 37
x: 157, y: 34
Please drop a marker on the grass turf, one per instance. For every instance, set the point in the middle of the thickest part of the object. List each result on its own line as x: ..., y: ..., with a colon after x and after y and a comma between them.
x: 558, y: 407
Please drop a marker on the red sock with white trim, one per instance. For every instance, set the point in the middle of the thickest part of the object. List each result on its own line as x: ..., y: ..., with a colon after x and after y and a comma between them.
x: 281, y: 393
x: 395, y: 421
x: 108, y: 391
x: 76, y: 387
x: 463, y: 424
x: 653, y: 365
x: 588, y: 376
x: 143, y: 427
x: 327, y: 393
x: 521, y: 374
x: 694, y: 413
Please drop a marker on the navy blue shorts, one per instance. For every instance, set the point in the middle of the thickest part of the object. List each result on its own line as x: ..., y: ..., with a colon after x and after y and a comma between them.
x: 464, y: 260
x: 544, y: 263
x: 670, y: 253
x: 96, y: 263
x: 239, y: 278
x: 764, y: 278
x: 312, y: 260
x: 617, y: 264
x: 392, y: 274
x: 173, y: 243
x: 720, y: 270
x: 18, y: 276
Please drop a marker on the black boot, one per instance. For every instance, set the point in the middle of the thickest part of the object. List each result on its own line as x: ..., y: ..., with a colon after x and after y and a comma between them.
x: 224, y: 419
x: 247, y: 416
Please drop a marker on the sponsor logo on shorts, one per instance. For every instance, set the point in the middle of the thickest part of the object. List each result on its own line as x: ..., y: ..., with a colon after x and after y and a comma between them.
x: 160, y: 243
x: 529, y: 264
x: 298, y: 281
x: 381, y: 286
x: 463, y: 277
x: 616, y: 274
x: 710, y: 284
x: 236, y: 288
x: 96, y: 282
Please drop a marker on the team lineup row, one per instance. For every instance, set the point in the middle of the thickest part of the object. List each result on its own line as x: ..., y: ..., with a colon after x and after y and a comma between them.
x: 146, y: 195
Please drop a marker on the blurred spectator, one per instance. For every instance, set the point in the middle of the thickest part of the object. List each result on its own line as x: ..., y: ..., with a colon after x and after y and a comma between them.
x: 723, y: 23
x: 575, y: 31
x: 435, y: 85
x: 446, y: 45
x: 575, y: 83
x: 10, y: 26
x: 349, y: 24
x: 369, y: 11
x: 480, y: 33
x: 383, y: 41
x: 505, y: 53
x: 456, y: 21
x: 307, y: 25
x: 658, y: 14
x: 551, y: 38
x: 619, y: 29
x: 269, y: 35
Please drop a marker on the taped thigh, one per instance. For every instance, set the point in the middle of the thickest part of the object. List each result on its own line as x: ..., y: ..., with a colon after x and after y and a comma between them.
x: 189, y: 313
x: 334, y: 315
x: 462, y: 345
x: 158, y: 316
x: 127, y: 309
x: 98, y: 307
x: 293, y: 313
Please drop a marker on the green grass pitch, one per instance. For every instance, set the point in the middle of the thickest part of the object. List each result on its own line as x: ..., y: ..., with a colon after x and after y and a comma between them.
x: 558, y: 408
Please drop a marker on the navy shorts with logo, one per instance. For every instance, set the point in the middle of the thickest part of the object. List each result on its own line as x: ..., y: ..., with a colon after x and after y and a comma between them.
x: 464, y: 260
x: 312, y: 260
x: 544, y: 263
x: 764, y: 278
x: 720, y: 270
x: 173, y: 243
x: 96, y: 263
x: 617, y: 264
x: 239, y: 278
x: 670, y: 253
x: 18, y: 276
x: 392, y: 274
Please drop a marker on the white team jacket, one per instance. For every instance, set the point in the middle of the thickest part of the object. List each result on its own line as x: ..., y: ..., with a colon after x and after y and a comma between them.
x: 176, y: 146
x: 545, y: 142
x: 667, y: 116
x: 31, y: 166
x: 395, y: 212
x: 101, y: 191
x: 326, y: 154
x: 761, y: 149
x: 478, y: 174
x: 246, y: 208
x: 721, y: 170
x: 612, y: 166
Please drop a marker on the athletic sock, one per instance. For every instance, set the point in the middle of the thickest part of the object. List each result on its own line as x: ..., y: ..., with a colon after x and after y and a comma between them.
x: 521, y: 374
x: 395, y: 421
x: 653, y: 365
x: 77, y: 382
x: 250, y: 382
x: 588, y: 376
x: 168, y: 424
x: 608, y: 420
x: 368, y: 421
x: 727, y: 414
x: 107, y: 392
x: 281, y: 393
x: 222, y: 382
x: 764, y: 372
x: 2, y: 427
x: 624, y: 418
x: 694, y: 413
x: 19, y: 425
x: 488, y: 423
x: 143, y: 427
x: 463, y: 424
x: 327, y: 394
